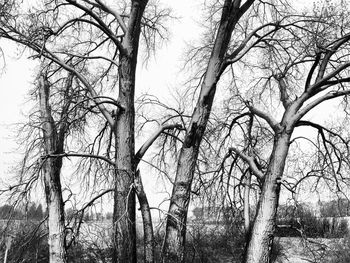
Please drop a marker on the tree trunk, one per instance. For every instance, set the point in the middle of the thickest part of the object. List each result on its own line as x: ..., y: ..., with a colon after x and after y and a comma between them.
x: 174, y: 243
x: 147, y: 220
x: 124, y: 194
x: 54, y: 201
x: 246, y: 201
x: 51, y: 171
x: 261, y: 238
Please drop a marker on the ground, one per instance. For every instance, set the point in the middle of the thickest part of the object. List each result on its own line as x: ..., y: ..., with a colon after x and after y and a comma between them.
x: 299, y: 250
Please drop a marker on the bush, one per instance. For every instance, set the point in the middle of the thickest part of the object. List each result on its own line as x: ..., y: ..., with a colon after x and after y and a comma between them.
x: 211, y: 243
x: 222, y: 243
x: 277, y: 253
x: 79, y: 253
x: 29, y: 244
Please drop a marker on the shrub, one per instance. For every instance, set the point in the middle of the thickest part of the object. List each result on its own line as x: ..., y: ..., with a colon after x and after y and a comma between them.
x: 277, y: 253
x: 210, y: 243
x: 29, y: 244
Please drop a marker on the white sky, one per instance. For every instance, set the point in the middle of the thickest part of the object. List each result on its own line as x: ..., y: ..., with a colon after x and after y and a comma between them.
x: 158, y: 78
x: 15, y: 82
x: 161, y: 75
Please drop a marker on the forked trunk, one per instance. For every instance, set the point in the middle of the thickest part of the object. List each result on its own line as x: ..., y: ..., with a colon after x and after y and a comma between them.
x: 261, y: 239
x: 51, y: 170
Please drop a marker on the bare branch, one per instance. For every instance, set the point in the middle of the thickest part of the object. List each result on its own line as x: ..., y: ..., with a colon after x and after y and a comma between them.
x: 312, y: 70
x: 103, y: 26
x: 141, y: 152
x: 114, y: 13
x: 85, y: 155
x: 264, y: 115
x: 232, y: 58
x: 327, y: 96
x: 91, y: 202
x: 327, y: 78
x: 320, y: 127
x: 250, y: 161
x: 284, y: 97
x: 330, y: 52
x: 92, y: 91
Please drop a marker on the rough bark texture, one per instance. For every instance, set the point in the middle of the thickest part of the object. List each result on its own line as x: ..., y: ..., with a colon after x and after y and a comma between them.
x: 148, y: 256
x: 260, y: 243
x: 247, y: 202
x: 51, y: 171
x: 174, y: 243
x: 124, y: 195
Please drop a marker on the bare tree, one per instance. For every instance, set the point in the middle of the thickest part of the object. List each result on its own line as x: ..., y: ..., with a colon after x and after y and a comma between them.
x: 71, y: 41
x: 222, y: 54
x: 53, y: 140
x: 307, y: 68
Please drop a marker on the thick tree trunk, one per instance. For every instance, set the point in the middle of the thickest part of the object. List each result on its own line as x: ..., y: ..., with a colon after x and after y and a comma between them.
x: 174, y: 243
x: 124, y: 194
x: 51, y: 171
x: 261, y: 239
x: 55, y: 207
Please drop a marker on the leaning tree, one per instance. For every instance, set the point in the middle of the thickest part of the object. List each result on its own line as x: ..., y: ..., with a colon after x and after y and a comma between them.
x: 236, y: 28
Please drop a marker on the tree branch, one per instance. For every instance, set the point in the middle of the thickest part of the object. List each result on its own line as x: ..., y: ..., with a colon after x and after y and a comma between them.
x: 114, y: 13
x: 319, y: 128
x: 91, y: 90
x: 79, y: 155
x: 141, y: 152
x: 327, y: 96
x: 264, y: 115
x: 91, y: 202
x: 232, y: 58
x: 250, y: 161
x: 327, y: 78
x: 312, y: 70
x: 282, y: 86
x: 103, y: 27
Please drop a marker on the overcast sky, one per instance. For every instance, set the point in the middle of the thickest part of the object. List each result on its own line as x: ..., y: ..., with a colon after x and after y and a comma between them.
x: 161, y: 75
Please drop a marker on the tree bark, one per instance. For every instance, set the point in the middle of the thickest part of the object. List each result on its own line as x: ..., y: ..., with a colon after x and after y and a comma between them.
x: 51, y: 170
x: 174, y: 243
x: 147, y: 220
x: 259, y: 246
x: 124, y: 194
x: 246, y: 201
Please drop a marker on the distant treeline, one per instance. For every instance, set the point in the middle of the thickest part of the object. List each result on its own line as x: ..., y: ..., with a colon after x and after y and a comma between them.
x: 34, y: 211
x: 326, y: 220
x: 31, y: 211
x: 333, y: 208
